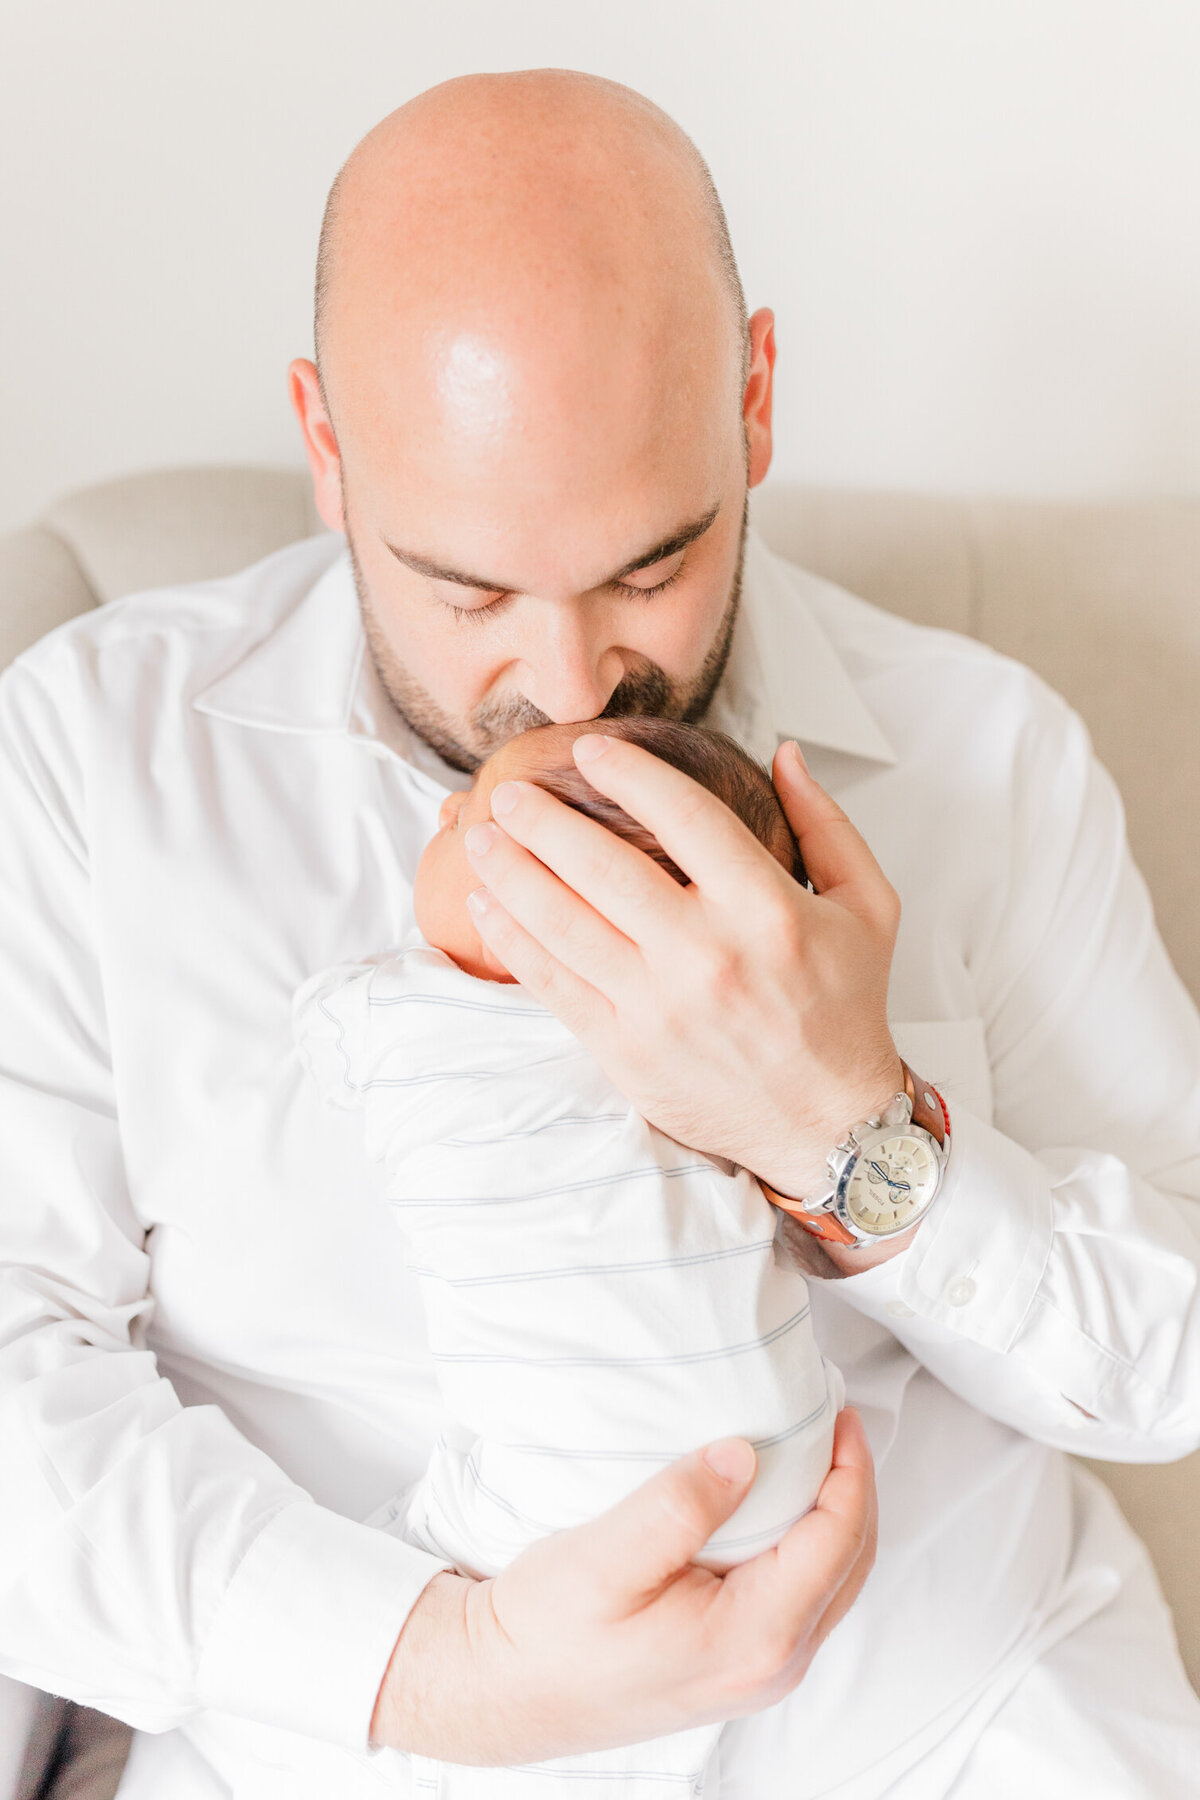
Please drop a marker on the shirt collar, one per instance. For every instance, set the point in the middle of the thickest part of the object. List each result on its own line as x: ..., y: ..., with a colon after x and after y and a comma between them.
x: 783, y: 678
x: 304, y: 674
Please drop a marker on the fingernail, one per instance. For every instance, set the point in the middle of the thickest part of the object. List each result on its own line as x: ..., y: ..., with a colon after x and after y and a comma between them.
x: 480, y: 839
x: 506, y: 798
x: 590, y: 748
x: 732, y: 1459
x: 478, y: 901
x: 798, y: 753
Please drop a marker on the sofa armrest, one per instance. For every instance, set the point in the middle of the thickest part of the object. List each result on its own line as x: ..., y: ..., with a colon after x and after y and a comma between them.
x: 41, y: 586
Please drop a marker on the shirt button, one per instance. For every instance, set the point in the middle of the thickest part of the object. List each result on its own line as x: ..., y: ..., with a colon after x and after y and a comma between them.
x: 898, y: 1310
x: 961, y: 1292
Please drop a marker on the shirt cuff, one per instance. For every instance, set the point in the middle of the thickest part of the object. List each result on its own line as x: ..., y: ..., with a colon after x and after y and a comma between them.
x: 331, y: 1014
x: 981, y: 1250
x: 308, y: 1623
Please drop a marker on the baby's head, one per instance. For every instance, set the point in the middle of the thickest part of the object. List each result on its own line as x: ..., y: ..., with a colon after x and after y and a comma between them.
x: 445, y: 876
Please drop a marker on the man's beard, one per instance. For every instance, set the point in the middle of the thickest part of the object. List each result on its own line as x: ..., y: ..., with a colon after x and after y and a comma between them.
x: 646, y: 689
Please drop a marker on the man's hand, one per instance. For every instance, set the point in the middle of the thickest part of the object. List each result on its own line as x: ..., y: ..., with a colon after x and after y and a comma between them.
x: 607, y: 1634
x: 741, y: 1014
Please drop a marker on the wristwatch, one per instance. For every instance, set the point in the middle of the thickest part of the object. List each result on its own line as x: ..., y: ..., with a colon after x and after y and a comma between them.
x: 883, y: 1175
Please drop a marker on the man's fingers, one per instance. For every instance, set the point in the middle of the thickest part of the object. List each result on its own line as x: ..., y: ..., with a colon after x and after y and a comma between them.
x: 581, y: 1009
x: 698, y: 832
x: 643, y: 1542
x: 570, y: 932
x: 797, y: 1592
x: 850, y: 1589
x: 612, y: 875
x: 829, y: 1544
x: 836, y: 855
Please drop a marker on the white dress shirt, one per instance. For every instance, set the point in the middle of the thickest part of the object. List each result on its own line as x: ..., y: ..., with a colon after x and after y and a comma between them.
x: 212, y: 1356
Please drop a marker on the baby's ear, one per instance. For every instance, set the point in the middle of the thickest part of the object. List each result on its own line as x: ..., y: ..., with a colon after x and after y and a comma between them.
x: 493, y: 965
x: 449, y: 809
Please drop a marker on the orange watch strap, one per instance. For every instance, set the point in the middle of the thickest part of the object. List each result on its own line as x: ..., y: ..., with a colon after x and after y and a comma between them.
x: 823, y: 1225
x: 819, y: 1225
x: 928, y: 1108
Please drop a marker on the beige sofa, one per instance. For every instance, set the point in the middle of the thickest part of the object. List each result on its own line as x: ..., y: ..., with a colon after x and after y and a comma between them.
x: 1103, y: 599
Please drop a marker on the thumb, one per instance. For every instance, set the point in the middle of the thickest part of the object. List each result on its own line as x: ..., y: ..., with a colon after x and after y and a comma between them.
x: 638, y: 1546
x: 834, y: 853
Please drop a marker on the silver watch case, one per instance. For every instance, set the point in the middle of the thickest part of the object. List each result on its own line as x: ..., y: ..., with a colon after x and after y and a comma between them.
x: 845, y: 1157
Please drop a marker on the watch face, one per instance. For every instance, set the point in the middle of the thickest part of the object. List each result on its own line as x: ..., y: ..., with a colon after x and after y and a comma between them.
x: 891, y: 1184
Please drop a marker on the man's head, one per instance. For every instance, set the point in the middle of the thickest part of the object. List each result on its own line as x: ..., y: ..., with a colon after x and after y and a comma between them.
x: 445, y: 875
x: 539, y: 407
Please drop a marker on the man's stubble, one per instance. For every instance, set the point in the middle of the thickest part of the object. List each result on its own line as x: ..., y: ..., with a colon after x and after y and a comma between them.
x: 644, y: 690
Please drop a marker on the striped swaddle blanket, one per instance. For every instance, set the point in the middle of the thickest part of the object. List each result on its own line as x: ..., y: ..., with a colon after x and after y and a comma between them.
x: 599, y: 1299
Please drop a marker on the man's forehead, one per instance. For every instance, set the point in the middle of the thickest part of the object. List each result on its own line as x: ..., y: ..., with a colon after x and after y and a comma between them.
x: 622, y: 439
x: 562, y: 497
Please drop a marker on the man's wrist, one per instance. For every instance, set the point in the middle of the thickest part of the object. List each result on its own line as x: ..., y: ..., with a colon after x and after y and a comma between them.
x: 809, y: 1175
x: 878, y: 1183
x: 420, y: 1663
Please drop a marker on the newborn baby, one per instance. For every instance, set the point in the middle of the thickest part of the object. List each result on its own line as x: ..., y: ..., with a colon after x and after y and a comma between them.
x: 600, y: 1299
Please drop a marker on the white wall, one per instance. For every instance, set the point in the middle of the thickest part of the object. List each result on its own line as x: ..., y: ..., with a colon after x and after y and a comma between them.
x: 977, y: 219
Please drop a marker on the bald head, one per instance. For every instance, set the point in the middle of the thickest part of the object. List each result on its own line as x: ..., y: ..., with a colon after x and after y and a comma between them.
x: 539, y: 407
x: 524, y: 186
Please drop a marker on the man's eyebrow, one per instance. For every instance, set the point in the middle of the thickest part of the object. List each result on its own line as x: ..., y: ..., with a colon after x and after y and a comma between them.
x: 679, y: 540
x: 671, y: 546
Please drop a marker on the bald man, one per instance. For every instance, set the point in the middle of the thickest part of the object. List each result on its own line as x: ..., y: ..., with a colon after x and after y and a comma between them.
x: 536, y: 412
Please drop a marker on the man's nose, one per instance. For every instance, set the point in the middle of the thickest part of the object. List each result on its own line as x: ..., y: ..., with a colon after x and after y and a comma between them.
x: 568, y: 677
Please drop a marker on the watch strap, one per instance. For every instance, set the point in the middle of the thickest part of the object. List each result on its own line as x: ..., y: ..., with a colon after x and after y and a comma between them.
x: 824, y: 1225
x: 929, y: 1111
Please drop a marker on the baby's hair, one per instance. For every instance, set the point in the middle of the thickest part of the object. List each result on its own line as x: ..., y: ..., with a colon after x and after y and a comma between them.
x: 711, y: 758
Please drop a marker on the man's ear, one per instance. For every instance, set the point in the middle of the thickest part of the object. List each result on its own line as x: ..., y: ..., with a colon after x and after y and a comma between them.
x: 320, y: 445
x: 759, y: 396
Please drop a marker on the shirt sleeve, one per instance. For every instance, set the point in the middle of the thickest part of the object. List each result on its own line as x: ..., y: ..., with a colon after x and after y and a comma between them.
x: 153, y: 1562
x: 1054, y: 1282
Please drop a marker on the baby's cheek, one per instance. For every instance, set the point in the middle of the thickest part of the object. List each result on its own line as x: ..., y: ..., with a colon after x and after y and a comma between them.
x: 425, y: 883
x: 443, y: 881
